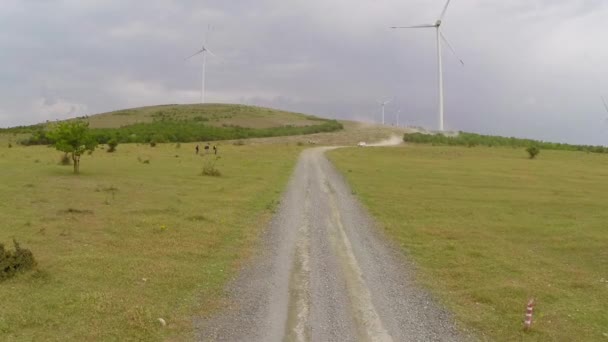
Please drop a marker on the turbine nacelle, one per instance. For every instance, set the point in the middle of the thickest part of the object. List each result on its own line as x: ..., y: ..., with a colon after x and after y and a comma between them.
x: 438, y: 23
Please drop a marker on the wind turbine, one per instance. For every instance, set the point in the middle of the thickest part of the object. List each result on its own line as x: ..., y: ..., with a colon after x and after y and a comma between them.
x: 203, y: 51
x: 384, y: 103
x: 440, y: 36
x: 398, y: 114
x: 605, y: 105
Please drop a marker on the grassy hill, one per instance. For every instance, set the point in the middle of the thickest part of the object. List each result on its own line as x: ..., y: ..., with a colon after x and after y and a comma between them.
x: 217, y: 115
x: 190, y: 123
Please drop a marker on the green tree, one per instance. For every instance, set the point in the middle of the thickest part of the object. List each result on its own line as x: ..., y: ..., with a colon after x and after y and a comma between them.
x: 73, y: 137
x: 112, y: 145
x: 533, y: 151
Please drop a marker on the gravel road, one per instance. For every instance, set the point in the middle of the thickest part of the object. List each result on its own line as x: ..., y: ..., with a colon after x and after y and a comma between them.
x: 326, y: 274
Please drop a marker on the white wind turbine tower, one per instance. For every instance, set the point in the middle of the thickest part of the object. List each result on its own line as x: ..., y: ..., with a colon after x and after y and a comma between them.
x: 384, y: 103
x: 398, y: 114
x: 203, y: 51
x: 440, y: 37
x: 605, y: 105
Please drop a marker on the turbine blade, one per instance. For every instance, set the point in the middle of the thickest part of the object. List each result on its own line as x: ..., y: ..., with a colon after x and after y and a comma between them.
x: 210, y: 52
x: 605, y: 104
x: 410, y: 27
x: 445, y: 9
x: 198, y: 52
x: 450, y: 46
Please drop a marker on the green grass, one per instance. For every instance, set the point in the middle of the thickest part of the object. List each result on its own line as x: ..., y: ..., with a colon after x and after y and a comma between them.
x: 125, y: 242
x: 488, y: 229
x: 211, y: 114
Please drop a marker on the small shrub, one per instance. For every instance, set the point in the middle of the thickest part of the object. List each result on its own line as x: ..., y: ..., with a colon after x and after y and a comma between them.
x: 239, y: 143
x: 299, y: 143
x: 533, y: 151
x: 152, y: 143
x: 10, y: 145
x: 209, y: 169
x: 75, y: 211
x: 13, y: 262
x: 273, y: 205
x: 178, y: 145
x: 112, y: 145
x: 65, y: 160
x: 143, y: 161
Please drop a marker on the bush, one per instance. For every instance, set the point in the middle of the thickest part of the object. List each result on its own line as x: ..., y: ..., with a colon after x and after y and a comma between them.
x: 13, y: 262
x: 209, y: 169
x: 65, y: 160
x: 10, y: 145
x: 239, y: 143
x: 533, y: 151
x: 152, y: 143
x: 112, y: 145
x: 472, y: 139
x: 143, y: 161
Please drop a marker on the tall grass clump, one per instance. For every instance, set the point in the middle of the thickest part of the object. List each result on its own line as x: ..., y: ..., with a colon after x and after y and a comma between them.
x: 12, y: 262
x: 209, y: 169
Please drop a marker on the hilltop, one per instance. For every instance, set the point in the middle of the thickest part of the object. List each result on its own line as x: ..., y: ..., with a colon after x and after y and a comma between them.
x: 188, y: 123
x: 218, y: 115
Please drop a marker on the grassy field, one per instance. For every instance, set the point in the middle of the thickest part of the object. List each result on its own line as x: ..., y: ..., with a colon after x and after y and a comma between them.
x: 488, y: 229
x: 139, y: 235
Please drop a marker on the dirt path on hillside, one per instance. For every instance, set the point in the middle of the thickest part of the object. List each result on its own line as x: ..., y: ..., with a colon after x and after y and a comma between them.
x: 325, y: 274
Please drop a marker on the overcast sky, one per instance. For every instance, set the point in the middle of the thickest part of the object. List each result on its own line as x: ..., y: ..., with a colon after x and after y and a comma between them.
x: 533, y: 68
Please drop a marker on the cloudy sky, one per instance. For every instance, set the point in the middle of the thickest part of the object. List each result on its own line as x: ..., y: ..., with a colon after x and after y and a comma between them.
x: 533, y: 68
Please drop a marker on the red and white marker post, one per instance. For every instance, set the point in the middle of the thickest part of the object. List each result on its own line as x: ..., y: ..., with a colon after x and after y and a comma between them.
x: 529, y: 311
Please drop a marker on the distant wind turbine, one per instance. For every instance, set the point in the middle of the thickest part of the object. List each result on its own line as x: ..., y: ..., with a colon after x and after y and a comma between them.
x: 440, y: 37
x: 384, y: 103
x: 605, y: 105
x: 398, y: 113
x: 203, y: 51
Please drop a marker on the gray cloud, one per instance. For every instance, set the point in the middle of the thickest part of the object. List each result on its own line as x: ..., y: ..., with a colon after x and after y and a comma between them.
x: 533, y: 67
